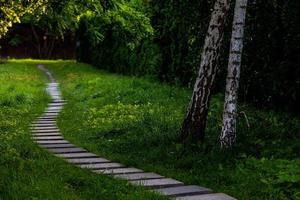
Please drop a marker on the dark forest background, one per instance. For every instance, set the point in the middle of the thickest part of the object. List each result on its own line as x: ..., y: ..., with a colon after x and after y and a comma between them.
x: 163, y: 40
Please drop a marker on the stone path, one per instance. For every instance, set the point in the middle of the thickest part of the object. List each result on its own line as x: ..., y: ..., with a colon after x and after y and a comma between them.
x: 46, y: 134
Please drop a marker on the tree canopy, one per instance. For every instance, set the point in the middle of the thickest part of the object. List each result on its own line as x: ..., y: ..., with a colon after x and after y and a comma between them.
x: 12, y: 11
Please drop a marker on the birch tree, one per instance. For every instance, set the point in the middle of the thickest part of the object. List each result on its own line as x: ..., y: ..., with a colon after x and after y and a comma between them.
x: 228, y: 133
x: 195, y: 120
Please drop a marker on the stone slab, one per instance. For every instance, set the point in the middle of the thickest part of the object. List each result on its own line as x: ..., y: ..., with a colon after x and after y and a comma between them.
x: 77, y: 155
x: 183, y: 190
x: 50, y: 115
x: 44, y: 122
x: 53, y: 122
x: 215, y: 196
x: 126, y: 170
x: 101, y: 166
x: 55, y: 108
x: 46, y: 131
x: 42, y: 125
x: 58, y: 105
x: 52, y: 142
x: 139, y: 176
x: 46, y: 118
x: 87, y: 160
x: 62, y: 100
x: 46, y: 134
x: 57, y: 145
x: 44, y: 128
x: 158, y: 183
x: 51, y: 112
x: 67, y: 150
x: 48, y: 137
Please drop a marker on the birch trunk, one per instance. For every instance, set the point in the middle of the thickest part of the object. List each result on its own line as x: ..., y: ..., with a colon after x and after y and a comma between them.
x: 228, y: 133
x: 195, y: 120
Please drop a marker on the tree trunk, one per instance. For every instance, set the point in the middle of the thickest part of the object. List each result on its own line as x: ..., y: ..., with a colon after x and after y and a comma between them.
x: 228, y: 134
x: 196, y: 116
x: 37, y: 39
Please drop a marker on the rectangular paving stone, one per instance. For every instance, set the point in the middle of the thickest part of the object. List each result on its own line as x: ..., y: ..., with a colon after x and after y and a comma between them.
x: 77, y: 155
x: 46, y: 131
x: 67, y: 150
x: 44, y: 122
x: 50, y: 115
x: 51, y: 112
x: 44, y: 128
x: 48, y: 137
x: 158, y: 183
x: 53, y: 109
x: 53, y: 121
x: 127, y: 170
x: 56, y: 104
x: 183, y: 190
x: 46, y: 118
x: 46, y: 134
x: 62, y: 100
x: 46, y: 114
x: 87, y: 160
x: 57, y: 145
x: 40, y: 126
x: 101, y: 166
x: 139, y: 176
x: 52, y: 142
x: 215, y: 196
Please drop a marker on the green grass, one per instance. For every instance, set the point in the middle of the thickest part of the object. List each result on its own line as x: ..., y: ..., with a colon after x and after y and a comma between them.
x: 28, y: 172
x: 136, y: 121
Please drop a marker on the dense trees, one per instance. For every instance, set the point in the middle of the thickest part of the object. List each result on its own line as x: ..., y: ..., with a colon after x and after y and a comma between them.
x: 172, y: 52
x: 58, y: 18
x: 12, y: 11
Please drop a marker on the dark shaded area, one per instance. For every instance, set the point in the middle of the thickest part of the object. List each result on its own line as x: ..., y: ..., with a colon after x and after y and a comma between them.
x: 270, y: 71
x: 20, y: 43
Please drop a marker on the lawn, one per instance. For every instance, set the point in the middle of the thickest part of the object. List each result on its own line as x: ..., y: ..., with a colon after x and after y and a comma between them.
x: 28, y: 172
x: 136, y: 121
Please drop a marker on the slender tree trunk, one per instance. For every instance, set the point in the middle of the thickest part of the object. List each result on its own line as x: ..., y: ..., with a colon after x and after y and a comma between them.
x: 51, y: 47
x: 228, y: 134
x: 195, y: 121
x: 37, y: 39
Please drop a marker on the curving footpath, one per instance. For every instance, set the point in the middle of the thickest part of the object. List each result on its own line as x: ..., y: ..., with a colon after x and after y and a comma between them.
x: 47, y: 135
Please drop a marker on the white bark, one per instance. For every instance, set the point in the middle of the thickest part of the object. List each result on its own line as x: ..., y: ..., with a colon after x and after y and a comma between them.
x: 195, y: 120
x: 228, y: 134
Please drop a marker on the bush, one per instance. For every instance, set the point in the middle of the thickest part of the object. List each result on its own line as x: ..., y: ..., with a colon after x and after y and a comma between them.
x: 118, y: 40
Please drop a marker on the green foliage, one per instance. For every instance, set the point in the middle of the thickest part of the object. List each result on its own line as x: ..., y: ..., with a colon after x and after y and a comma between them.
x: 136, y: 121
x: 16, y: 41
x: 281, y: 175
x: 12, y: 11
x: 120, y: 38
